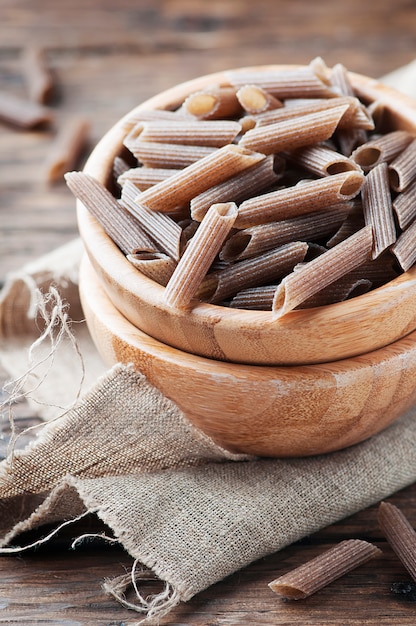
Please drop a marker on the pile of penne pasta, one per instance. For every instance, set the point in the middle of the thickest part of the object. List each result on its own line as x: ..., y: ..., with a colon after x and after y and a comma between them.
x: 278, y: 190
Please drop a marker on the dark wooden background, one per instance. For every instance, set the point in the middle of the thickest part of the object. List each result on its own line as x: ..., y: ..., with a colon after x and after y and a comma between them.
x: 107, y: 57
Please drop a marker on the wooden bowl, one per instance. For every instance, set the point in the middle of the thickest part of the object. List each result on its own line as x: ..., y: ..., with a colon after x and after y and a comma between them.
x: 317, y: 335
x: 262, y: 410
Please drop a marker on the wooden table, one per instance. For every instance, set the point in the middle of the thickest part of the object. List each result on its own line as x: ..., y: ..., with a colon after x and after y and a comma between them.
x: 107, y: 57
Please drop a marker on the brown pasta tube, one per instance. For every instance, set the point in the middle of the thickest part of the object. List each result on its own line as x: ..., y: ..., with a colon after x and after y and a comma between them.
x: 123, y: 229
x: 292, y: 201
x: 311, y: 277
x: 302, y: 130
x: 215, y: 103
x: 67, y: 148
x: 400, y: 534
x: 378, y: 208
x: 199, y: 254
x: 324, y: 569
x: 39, y: 78
x: 23, y: 113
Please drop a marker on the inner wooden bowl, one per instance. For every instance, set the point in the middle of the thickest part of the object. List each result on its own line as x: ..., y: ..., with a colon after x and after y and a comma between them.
x: 308, y: 336
x: 270, y: 410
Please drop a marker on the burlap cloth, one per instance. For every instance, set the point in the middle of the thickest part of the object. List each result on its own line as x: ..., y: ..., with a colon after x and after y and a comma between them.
x: 112, y: 445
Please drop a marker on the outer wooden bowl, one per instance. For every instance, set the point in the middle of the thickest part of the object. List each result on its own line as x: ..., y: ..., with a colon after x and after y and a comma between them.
x: 262, y: 410
x: 318, y: 335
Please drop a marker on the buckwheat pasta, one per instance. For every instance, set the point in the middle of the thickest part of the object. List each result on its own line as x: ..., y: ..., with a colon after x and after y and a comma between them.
x: 198, y: 177
x: 164, y: 155
x: 383, y: 148
x: 160, y: 227
x: 298, y: 131
x: 321, y: 160
x: 311, y: 277
x: 290, y: 202
x: 405, y: 247
x: 213, y: 104
x: 378, y: 209
x: 349, y: 140
x: 324, y: 569
x: 353, y: 222
x: 149, y: 115
x: 254, y: 298
x: 340, y: 80
x: 355, y: 116
x: 39, y: 78
x: 402, y: 170
x: 199, y: 254
x: 260, y: 270
x: 404, y: 205
x: 155, y: 265
x: 258, y: 239
x: 242, y: 185
x: 284, y: 83
x: 145, y: 177
x: 255, y: 99
x: 23, y: 113
x: 214, y: 133
x: 338, y: 291
x: 123, y: 229
x: 400, y: 534
x: 67, y: 148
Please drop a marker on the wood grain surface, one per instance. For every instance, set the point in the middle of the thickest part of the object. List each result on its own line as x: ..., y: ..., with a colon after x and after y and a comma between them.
x: 107, y: 57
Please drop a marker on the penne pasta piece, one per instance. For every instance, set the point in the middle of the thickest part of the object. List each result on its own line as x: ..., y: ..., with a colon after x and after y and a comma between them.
x: 290, y: 202
x: 340, y: 80
x: 405, y: 247
x: 155, y: 265
x: 200, y: 253
x: 254, y: 298
x: 342, y: 289
x: 67, y: 149
x: 354, y: 221
x: 145, y: 177
x: 324, y: 569
x: 253, y: 241
x: 218, y: 102
x: 39, y: 78
x: 380, y: 149
x: 160, y: 227
x: 260, y: 270
x: 355, y: 116
x: 303, y: 82
x: 302, y: 130
x: 119, y: 225
x: 23, y: 113
x: 404, y: 206
x: 214, y: 133
x: 349, y: 140
x: 216, y: 167
x: 321, y: 160
x: 378, y: 209
x: 164, y: 155
x: 311, y: 277
x: 253, y: 180
x: 255, y: 99
x: 149, y: 115
x: 400, y: 534
x: 402, y: 170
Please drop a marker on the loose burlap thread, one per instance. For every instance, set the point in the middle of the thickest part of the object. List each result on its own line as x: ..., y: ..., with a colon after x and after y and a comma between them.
x: 113, y: 445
